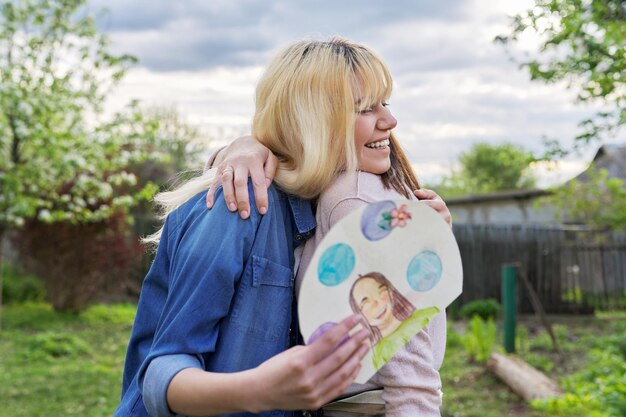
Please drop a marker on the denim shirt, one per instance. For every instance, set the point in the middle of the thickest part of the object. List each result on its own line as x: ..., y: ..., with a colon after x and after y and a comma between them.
x: 219, y: 296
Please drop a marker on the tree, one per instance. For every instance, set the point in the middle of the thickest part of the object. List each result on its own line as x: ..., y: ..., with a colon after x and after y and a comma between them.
x: 487, y: 168
x: 103, y: 260
x: 597, y: 202
x: 161, y: 132
x: 584, y: 43
x: 58, y: 162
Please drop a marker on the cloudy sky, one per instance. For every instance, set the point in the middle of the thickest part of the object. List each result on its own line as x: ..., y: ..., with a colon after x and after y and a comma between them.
x: 453, y: 85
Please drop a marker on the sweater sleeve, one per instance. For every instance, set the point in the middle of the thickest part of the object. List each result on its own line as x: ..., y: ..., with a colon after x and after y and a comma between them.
x: 412, y: 385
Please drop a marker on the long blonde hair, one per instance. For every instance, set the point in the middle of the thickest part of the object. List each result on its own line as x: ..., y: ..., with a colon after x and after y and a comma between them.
x: 305, y: 114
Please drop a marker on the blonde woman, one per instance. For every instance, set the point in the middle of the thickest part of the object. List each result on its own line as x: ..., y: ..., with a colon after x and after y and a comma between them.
x: 410, y: 380
x: 215, y: 324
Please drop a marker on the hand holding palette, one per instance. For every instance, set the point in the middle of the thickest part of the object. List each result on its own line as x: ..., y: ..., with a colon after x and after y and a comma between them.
x: 396, y: 263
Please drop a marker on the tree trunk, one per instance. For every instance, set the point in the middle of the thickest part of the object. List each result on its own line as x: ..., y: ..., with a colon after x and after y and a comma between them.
x: 523, y: 379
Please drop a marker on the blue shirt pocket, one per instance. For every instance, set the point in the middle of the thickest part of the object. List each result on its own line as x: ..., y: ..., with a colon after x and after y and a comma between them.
x: 262, y: 306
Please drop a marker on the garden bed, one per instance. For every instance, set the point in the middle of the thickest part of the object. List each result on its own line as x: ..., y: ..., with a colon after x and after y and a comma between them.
x: 591, y: 369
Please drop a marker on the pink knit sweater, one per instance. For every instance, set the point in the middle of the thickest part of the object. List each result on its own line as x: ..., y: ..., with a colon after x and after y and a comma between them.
x: 410, y: 380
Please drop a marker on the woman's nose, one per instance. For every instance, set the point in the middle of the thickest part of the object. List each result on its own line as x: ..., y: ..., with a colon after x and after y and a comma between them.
x: 386, y: 121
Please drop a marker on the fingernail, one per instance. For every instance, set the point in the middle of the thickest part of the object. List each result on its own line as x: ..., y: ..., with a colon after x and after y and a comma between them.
x: 232, y: 206
x: 209, y: 204
x: 268, y: 182
x: 263, y: 210
x: 244, y: 214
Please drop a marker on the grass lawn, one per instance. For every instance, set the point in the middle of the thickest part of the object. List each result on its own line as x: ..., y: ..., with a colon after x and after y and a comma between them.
x: 55, y: 364
x: 471, y: 391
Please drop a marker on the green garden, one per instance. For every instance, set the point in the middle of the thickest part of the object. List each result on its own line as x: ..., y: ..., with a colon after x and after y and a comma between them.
x: 70, y: 364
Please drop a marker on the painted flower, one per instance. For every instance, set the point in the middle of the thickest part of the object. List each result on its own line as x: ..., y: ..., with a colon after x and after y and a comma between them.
x: 399, y: 216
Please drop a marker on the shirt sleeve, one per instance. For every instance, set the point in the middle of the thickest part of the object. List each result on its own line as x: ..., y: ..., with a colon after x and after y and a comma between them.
x: 159, y: 374
x: 206, y: 263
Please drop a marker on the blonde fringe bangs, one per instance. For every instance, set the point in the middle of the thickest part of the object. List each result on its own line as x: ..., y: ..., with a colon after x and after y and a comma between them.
x: 374, y: 80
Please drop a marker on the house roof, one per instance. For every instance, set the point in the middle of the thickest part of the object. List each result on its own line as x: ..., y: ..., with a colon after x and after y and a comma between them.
x: 499, y: 196
x: 609, y: 157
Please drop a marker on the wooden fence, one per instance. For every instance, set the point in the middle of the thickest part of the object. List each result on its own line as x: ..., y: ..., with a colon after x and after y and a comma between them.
x: 571, y: 269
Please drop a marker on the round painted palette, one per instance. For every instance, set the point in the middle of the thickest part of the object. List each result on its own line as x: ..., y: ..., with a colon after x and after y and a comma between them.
x: 394, y: 262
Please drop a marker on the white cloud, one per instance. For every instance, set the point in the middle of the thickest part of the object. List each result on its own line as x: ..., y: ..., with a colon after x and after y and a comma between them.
x: 454, y: 85
x: 220, y: 95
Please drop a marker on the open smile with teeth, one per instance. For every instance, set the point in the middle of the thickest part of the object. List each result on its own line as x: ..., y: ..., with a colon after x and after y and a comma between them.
x: 378, y: 145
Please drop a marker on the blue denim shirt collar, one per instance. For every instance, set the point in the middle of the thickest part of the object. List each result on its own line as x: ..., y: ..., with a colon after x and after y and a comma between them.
x: 304, y: 218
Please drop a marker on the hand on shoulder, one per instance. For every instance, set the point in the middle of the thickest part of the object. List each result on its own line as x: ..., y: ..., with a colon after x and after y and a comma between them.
x: 244, y: 157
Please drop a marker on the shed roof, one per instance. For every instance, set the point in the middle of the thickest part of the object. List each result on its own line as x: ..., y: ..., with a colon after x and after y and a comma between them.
x: 499, y: 196
x: 609, y: 157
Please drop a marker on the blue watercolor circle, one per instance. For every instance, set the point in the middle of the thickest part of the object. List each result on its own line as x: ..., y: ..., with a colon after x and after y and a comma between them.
x: 336, y: 264
x: 373, y: 226
x: 424, y: 271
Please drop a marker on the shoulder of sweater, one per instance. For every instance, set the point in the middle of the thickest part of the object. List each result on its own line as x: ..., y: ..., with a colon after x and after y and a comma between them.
x: 360, y: 185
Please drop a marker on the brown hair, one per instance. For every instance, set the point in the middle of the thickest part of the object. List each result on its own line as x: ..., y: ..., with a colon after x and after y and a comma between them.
x: 400, y: 175
x: 401, y: 307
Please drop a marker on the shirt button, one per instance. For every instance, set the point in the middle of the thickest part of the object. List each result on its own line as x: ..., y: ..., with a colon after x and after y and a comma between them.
x: 298, y: 237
